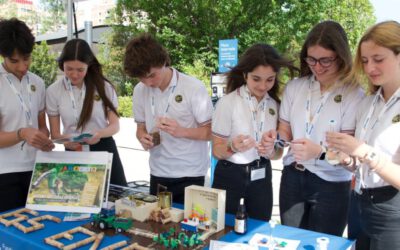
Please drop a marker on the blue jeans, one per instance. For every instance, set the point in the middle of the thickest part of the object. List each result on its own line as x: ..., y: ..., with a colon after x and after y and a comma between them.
x: 380, y: 219
x: 309, y: 202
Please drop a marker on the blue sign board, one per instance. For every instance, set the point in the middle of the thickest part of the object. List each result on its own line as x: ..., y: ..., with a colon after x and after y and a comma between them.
x: 227, y: 54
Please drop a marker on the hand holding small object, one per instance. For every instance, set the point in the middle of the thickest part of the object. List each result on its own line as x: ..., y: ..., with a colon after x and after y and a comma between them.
x: 170, y: 126
x: 243, y: 143
x: 304, y: 149
x: 147, y: 141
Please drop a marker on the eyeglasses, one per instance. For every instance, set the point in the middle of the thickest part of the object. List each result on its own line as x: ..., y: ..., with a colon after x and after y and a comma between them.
x: 280, y: 143
x: 323, y: 61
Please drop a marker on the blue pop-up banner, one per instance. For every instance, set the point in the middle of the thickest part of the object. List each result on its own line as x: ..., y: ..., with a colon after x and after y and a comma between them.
x: 227, y: 54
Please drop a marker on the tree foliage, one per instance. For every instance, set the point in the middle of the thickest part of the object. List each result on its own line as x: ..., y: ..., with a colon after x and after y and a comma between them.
x: 44, y: 63
x: 111, y: 57
x: 190, y: 29
x: 56, y: 16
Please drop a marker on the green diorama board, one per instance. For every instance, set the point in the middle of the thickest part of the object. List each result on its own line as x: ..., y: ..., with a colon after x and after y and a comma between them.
x: 69, y: 181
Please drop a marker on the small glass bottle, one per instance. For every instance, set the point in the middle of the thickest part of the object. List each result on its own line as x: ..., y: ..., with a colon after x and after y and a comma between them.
x: 332, y: 155
x: 241, y: 218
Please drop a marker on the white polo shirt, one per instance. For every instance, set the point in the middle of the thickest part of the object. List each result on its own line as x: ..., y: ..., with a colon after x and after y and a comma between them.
x: 13, y: 116
x: 384, y: 137
x: 232, y: 117
x: 190, y: 105
x: 58, y: 102
x: 340, y: 106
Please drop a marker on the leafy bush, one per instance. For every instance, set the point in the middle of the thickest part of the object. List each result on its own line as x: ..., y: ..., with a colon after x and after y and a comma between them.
x: 44, y: 63
x: 125, y: 106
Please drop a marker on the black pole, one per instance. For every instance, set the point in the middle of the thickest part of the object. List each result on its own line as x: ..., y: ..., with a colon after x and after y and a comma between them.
x: 75, y: 24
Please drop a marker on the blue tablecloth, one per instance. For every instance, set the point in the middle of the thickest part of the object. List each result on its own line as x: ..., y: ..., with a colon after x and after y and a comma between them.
x: 12, y: 238
x: 307, y: 238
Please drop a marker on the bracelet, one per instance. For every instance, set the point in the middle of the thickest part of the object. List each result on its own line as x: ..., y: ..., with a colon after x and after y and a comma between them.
x: 19, y: 137
x: 352, y: 163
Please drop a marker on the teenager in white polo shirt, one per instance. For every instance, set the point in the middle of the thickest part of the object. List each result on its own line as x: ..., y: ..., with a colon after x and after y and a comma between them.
x: 377, y: 147
x: 239, y: 120
x: 173, y: 115
x: 22, y: 118
x: 85, y: 102
x: 314, y: 194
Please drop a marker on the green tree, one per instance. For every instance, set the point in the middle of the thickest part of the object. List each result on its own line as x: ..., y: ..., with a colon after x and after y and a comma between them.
x: 56, y: 17
x: 44, y: 63
x: 191, y: 29
x: 111, y: 56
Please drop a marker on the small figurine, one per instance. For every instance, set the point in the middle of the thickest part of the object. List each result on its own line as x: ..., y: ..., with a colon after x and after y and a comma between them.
x: 190, y: 224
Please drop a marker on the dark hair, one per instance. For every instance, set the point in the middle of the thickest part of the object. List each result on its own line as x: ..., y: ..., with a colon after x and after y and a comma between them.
x: 143, y: 53
x: 78, y: 49
x: 256, y: 55
x: 15, y: 36
x: 329, y: 35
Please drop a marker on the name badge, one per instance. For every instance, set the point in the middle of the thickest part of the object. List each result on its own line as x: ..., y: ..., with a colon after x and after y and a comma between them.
x: 257, y: 174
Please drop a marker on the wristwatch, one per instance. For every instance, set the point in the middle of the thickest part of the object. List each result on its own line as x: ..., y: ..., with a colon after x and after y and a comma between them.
x: 322, y: 155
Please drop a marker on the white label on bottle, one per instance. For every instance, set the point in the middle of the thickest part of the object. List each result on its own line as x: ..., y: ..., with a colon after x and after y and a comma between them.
x: 240, y: 226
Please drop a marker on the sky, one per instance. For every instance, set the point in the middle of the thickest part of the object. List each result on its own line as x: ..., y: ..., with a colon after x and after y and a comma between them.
x: 386, y: 10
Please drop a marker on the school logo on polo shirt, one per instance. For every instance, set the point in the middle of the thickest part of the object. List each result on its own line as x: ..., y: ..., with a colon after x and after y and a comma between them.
x: 178, y: 98
x: 33, y: 88
x: 338, y: 98
x: 97, y: 97
x: 396, y: 118
x: 272, y: 111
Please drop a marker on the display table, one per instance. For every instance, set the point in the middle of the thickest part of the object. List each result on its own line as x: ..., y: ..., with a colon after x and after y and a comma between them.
x: 12, y: 238
x: 308, y: 238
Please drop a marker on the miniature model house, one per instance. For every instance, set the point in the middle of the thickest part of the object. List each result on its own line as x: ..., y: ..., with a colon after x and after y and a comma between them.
x: 205, y: 205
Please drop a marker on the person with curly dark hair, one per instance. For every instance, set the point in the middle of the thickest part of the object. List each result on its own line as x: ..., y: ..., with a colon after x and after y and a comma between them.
x: 22, y: 114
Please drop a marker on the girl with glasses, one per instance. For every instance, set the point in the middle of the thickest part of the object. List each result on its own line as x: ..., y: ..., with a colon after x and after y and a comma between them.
x: 314, y: 192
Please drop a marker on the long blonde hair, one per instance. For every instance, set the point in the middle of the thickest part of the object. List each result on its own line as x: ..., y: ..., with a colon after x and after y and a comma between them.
x: 384, y: 34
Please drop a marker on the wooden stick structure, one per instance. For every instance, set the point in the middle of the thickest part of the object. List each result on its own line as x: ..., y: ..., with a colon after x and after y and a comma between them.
x: 116, y: 245
x: 97, y: 241
x: 34, y: 222
x: 135, y: 246
x: 94, y: 237
x: 141, y: 232
x: 18, y: 214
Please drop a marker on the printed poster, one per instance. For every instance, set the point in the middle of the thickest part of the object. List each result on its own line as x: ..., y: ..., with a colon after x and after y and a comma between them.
x: 69, y: 181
